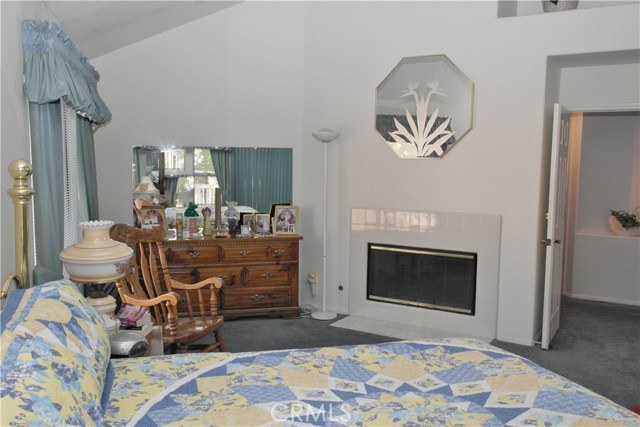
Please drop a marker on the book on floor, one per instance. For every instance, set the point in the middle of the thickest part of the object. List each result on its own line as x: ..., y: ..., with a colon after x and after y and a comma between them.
x: 134, y: 315
x: 144, y: 329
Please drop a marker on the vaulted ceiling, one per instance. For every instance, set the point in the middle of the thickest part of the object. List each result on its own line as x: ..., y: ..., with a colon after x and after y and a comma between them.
x: 100, y: 27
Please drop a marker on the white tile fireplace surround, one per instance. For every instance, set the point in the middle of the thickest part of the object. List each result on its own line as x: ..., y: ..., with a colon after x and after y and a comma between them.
x: 465, y: 232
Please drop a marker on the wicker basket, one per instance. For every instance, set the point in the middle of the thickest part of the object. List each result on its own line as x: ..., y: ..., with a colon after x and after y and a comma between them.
x: 619, y: 230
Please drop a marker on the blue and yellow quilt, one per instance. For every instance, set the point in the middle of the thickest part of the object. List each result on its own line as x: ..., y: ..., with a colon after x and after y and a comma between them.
x: 55, y: 371
x: 448, y: 382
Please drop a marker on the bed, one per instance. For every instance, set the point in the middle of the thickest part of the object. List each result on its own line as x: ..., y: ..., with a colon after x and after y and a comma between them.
x: 56, y: 371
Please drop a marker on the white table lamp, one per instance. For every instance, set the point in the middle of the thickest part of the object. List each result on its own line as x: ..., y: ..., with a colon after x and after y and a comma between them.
x: 95, y: 260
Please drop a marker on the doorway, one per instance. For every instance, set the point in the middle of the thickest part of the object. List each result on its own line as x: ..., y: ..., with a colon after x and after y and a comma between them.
x: 571, y: 80
x: 603, y: 175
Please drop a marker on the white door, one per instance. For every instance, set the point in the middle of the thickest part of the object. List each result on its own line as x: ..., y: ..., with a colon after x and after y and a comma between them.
x: 555, y: 225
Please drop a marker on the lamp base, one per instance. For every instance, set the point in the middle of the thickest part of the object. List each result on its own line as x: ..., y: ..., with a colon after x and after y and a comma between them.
x: 324, y: 315
x: 106, y: 306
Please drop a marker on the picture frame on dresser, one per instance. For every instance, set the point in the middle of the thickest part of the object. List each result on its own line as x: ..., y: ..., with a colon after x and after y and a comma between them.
x: 262, y: 223
x: 285, y: 219
x: 152, y: 216
x: 272, y: 209
x: 248, y: 219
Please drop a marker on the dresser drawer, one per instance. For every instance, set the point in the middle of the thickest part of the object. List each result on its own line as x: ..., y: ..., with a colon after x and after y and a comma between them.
x: 268, y: 275
x: 245, y: 253
x: 255, y: 298
x: 184, y: 275
x: 258, y: 252
x: 232, y: 276
x: 192, y: 254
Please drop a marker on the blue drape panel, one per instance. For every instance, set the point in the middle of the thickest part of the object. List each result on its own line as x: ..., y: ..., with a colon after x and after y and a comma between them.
x: 55, y: 70
x: 46, y: 142
x: 252, y: 168
x: 87, y: 166
x: 170, y: 185
x: 221, y: 159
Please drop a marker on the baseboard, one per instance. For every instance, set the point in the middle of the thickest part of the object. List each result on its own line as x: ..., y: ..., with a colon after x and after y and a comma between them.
x: 519, y: 341
x: 601, y: 299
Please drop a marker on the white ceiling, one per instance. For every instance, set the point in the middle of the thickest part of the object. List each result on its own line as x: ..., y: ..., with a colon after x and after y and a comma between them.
x: 100, y: 27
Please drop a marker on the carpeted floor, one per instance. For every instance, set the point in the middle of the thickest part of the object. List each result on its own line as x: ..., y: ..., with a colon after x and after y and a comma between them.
x: 597, y: 346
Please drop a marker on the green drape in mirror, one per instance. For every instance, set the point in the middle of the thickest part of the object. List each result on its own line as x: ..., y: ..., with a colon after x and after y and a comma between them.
x: 221, y: 158
x: 252, y: 167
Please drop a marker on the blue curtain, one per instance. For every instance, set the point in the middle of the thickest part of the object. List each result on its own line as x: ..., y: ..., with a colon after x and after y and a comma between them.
x: 87, y: 166
x: 46, y: 141
x: 221, y: 159
x: 55, y: 70
x: 252, y: 168
x: 170, y: 185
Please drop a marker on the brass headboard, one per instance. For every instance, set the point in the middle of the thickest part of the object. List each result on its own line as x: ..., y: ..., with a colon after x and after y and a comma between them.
x: 21, y: 194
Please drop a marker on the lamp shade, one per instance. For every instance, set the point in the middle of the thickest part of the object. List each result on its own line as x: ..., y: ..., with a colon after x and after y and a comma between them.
x: 146, y: 186
x: 96, y: 258
x: 325, y: 135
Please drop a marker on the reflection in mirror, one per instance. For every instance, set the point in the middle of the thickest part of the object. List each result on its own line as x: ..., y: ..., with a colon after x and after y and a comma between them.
x: 424, y: 107
x: 254, y: 177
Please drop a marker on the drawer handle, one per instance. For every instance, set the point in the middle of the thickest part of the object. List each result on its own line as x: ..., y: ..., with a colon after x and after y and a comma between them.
x: 244, y: 252
x: 267, y: 276
x: 194, y: 254
x: 257, y: 298
x: 280, y: 252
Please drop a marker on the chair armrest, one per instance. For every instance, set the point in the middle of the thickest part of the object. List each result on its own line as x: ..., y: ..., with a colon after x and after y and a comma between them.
x: 171, y: 297
x: 213, y: 282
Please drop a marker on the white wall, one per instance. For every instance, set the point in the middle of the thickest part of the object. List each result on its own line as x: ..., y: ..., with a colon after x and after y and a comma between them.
x: 270, y: 73
x: 595, y: 88
x: 605, y: 266
x: 232, y: 79
x: 497, y: 167
x: 610, y: 144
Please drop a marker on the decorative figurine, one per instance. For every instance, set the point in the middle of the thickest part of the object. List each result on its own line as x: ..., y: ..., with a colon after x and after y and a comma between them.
x: 207, y: 231
x: 191, y: 214
x: 233, y: 217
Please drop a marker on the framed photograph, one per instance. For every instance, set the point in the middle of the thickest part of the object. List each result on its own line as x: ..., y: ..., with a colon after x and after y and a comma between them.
x: 248, y: 220
x: 285, y: 220
x: 152, y: 216
x: 262, y: 223
x: 272, y: 210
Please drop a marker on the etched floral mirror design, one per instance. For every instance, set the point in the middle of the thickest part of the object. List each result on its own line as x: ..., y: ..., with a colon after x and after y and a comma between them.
x: 424, y: 107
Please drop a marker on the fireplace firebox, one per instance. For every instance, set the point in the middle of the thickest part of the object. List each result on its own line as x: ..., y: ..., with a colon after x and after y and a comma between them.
x: 421, y: 277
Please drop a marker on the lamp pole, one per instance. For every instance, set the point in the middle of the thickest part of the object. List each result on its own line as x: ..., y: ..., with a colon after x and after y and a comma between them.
x: 325, y: 136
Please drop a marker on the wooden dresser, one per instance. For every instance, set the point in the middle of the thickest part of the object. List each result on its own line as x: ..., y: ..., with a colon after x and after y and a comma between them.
x: 261, y: 274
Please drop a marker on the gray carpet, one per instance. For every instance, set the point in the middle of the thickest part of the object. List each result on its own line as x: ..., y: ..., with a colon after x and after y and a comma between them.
x: 597, y: 346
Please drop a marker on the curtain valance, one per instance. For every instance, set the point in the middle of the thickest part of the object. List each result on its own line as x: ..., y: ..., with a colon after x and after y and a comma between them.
x: 54, y: 69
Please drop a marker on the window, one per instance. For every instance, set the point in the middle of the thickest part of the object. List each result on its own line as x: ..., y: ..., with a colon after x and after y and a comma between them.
x: 194, y: 171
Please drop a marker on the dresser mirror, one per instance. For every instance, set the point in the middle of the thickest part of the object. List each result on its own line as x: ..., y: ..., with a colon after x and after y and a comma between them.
x: 255, y: 177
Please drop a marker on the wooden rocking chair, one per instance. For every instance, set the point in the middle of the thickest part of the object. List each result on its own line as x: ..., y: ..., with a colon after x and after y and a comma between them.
x: 159, y: 291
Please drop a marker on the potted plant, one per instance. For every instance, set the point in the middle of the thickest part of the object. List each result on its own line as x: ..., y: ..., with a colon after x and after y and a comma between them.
x: 624, y: 223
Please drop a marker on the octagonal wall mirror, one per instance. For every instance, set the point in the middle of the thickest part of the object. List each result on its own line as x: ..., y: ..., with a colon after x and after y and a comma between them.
x: 424, y: 107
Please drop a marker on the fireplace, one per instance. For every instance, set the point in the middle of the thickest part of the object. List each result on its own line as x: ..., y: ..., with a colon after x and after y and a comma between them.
x: 422, y: 277
x: 449, y: 232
